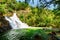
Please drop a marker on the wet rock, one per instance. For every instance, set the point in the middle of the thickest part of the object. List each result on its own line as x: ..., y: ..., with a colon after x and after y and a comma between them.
x: 52, y: 36
x: 37, y: 37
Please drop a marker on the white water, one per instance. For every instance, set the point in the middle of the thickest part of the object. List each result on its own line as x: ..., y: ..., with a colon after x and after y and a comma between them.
x: 18, y: 24
x: 15, y: 22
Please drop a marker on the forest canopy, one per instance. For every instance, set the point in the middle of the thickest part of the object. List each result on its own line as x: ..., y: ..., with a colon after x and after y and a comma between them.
x: 38, y: 16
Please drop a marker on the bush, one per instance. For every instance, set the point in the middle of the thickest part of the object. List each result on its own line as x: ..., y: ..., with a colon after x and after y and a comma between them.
x: 39, y: 18
x: 2, y: 8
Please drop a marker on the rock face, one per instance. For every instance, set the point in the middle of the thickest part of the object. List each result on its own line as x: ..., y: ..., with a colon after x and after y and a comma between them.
x: 4, y: 24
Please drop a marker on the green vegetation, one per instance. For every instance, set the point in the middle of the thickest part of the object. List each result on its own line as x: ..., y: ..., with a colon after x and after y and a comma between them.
x: 38, y: 16
x: 41, y: 18
x: 27, y: 34
x: 24, y: 34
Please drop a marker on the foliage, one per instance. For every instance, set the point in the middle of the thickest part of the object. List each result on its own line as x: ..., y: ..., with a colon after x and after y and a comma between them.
x: 24, y: 34
x: 21, y: 5
x: 2, y: 8
x: 10, y: 5
x: 39, y: 16
x: 28, y: 34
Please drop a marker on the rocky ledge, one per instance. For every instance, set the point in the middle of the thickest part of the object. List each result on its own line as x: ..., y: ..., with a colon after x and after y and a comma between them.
x: 4, y: 24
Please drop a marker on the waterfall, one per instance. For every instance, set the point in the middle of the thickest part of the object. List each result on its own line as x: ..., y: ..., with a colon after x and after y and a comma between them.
x: 15, y: 22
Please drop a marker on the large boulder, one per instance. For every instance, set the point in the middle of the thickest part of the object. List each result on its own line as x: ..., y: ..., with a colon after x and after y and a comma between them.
x: 4, y: 24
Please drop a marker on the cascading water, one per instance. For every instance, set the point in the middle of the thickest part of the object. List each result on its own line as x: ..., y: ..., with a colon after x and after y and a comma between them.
x: 15, y: 22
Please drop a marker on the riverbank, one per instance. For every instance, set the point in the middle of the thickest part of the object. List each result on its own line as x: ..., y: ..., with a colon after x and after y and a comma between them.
x: 26, y: 34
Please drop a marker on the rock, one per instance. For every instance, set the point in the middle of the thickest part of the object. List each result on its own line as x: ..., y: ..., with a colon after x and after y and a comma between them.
x: 4, y: 24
